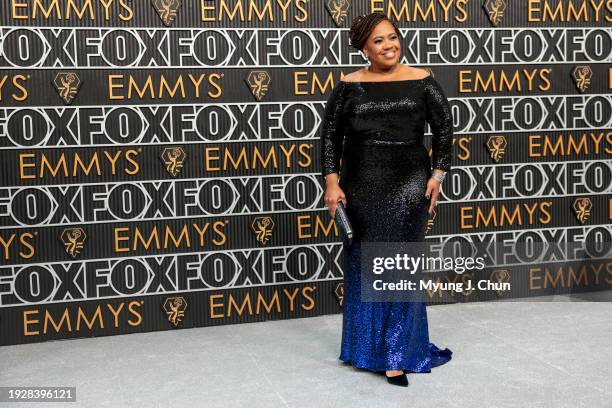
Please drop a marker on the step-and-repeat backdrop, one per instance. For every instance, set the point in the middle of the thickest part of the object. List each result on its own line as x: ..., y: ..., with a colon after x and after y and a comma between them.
x: 160, y: 158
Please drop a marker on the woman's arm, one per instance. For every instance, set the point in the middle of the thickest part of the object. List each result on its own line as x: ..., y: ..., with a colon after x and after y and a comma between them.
x: 440, y: 120
x: 332, y: 134
x: 332, y: 138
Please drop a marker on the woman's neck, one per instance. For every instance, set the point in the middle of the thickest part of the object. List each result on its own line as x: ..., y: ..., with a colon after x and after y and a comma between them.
x: 391, y: 71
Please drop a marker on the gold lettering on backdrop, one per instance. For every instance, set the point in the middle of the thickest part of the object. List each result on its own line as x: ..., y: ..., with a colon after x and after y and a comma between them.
x: 134, y: 239
x: 23, y: 243
x: 73, y: 240
x: 28, y: 321
x: 57, y: 326
x: 338, y: 10
x: 582, y: 77
x: 569, y: 10
x: 570, y: 145
x: 175, y: 308
x: 97, y: 317
x: 262, y: 227
x: 255, y: 158
x: 71, y: 319
x: 67, y: 85
x: 267, y: 300
x: 306, y: 291
x: 248, y: 10
x: 291, y: 297
x: 70, y: 9
x: 166, y: 9
x: 71, y: 164
x: 15, y: 85
x: 566, y: 276
x: 463, y: 147
x: 173, y: 158
x: 309, y: 83
x: 495, y: 10
x: 472, y: 217
x: 53, y: 6
x: 306, y: 229
x: 274, y: 303
x: 128, y: 87
x: 474, y: 81
x: 497, y: 147
x: 258, y: 82
x: 422, y: 10
x: 582, y: 207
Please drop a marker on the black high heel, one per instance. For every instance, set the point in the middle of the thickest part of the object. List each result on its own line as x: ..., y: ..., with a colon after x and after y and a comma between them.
x: 400, y: 379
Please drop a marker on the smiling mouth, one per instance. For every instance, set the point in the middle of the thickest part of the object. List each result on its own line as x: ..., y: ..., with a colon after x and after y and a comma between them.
x: 389, y: 54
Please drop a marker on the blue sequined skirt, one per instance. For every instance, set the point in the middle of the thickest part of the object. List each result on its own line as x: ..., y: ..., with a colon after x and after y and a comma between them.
x: 385, y: 191
x: 382, y: 336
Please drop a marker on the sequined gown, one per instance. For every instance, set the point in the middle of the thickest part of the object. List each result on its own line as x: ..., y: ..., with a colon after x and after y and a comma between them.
x: 372, y: 135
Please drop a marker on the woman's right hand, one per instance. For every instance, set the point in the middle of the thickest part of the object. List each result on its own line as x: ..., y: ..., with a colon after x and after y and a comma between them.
x: 333, y: 194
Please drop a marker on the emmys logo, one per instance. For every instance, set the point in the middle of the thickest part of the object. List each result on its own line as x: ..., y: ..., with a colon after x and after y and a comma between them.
x: 166, y: 9
x: 259, y: 82
x: 173, y: 158
x: 500, y: 277
x: 67, y: 85
x: 175, y: 309
x: 582, y: 207
x: 73, y: 239
x: 430, y: 220
x: 495, y: 10
x: 582, y: 77
x: 338, y: 9
x: 497, y: 147
x: 262, y: 226
x: 339, y: 292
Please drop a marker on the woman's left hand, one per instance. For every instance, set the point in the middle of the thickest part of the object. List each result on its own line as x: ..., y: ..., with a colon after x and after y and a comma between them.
x: 433, y: 191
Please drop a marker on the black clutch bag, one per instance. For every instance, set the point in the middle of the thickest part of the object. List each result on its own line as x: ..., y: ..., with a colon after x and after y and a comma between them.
x: 343, y: 222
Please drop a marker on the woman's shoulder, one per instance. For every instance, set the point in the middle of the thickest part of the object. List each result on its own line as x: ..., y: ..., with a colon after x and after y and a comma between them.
x: 406, y: 73
x: 354, y: 76
x: 420, y: 73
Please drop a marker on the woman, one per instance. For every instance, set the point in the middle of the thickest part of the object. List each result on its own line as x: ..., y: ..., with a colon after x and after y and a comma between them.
x: 387, y: 186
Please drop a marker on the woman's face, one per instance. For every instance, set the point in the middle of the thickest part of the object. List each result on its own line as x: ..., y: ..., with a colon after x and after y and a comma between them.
x: 383, y: 45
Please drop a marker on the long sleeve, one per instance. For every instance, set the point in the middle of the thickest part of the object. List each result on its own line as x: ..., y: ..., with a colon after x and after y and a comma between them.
x: 440, y: 119
x: 332, y: 131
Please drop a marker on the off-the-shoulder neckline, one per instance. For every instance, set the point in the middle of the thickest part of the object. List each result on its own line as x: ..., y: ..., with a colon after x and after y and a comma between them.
x: 382, y: 82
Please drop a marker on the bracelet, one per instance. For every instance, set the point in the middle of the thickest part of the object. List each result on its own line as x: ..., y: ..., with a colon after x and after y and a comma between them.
x: 439, y: 177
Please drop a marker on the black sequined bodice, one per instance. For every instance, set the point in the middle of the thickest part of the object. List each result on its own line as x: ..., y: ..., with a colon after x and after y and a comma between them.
x: 389, y: 113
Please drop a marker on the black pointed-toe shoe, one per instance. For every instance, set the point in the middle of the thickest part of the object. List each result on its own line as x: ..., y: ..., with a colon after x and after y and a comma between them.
x: 400, y: 379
